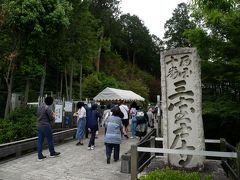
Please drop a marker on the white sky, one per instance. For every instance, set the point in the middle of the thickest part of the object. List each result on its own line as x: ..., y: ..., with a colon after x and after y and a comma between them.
x: 154, y: 13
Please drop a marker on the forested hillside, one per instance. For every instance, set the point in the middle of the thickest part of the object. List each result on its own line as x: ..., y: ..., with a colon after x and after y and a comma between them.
x: 76, y: 48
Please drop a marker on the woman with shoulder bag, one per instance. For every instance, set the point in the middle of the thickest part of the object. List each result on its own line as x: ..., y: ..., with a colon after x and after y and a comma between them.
x: 81, y: 122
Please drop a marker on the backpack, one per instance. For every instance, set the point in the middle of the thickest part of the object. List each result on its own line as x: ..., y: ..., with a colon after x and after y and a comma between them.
x: 140, y: 117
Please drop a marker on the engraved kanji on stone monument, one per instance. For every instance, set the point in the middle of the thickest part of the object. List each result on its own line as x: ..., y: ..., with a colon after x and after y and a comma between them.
x: 181, y: 103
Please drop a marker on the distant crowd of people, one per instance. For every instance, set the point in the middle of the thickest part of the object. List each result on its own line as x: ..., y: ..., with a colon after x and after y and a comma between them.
x: 116, y: 119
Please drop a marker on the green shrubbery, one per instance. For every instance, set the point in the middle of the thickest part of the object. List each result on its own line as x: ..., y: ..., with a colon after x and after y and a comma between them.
x: 169, y: 174
x: 19, y: 125
x: 221, y: 117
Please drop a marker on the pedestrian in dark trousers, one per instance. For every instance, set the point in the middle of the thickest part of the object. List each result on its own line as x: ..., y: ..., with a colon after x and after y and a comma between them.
x: 142, y: 123
x: 125, y: 120
x: 113, y: 137
x: 45, y: 117
x: 92, y: 123
x: 86, y: 127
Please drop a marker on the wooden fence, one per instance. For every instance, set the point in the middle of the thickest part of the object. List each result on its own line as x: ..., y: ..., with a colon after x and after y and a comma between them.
x: 18, y: 148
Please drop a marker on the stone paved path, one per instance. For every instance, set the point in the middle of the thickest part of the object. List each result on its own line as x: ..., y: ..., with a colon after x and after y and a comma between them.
x: 75, y: 163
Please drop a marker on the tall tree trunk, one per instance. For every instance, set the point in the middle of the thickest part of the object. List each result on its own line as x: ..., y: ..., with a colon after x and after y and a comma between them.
x: 61, y: 85
x: 98, y: 59
x: 133, y: 65
x: 99, y: 54
x: 71, y: 82
x: 43, y: 81
x: 26, y: 92
x: 134, y: 57
x: 128, y: 55
x: 9, y: 80
x: 80, y: 83
x: 66, y: 83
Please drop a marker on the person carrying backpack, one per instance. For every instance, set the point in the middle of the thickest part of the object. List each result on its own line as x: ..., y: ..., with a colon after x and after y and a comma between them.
x: 142, y: 123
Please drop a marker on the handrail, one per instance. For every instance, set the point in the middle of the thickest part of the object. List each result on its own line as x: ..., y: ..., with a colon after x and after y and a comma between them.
x: 231, y: 147
x: 188, y: 152
x: 230, y: 169
x: 18, y: 148
x: 206, y: 140
x: 144, y: 164
x: 151, y: 133
x: 146, y: 140
x: 33, y: 138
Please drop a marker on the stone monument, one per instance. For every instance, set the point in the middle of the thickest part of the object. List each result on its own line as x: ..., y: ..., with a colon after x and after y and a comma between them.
x: 182, y: 106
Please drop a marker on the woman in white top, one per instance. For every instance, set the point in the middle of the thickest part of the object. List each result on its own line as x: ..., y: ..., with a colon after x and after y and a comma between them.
x: 81, y: 122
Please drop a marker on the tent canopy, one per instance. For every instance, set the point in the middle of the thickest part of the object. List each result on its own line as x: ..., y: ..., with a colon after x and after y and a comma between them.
x: 112, y: 94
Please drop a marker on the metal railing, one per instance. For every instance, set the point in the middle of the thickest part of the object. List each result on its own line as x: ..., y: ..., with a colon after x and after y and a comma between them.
x: 137, y: 151
x: 231, y: 167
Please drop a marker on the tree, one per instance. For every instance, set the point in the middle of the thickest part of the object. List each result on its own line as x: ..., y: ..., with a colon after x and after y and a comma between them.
x: 31, y: 25
x: 107, y: 11
x: 80, y: 42
x: 176, y: 26
x: 218, y: 35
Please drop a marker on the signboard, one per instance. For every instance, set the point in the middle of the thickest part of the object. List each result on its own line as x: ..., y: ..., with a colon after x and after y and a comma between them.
x: 58, y: 112
x: 68, y: 106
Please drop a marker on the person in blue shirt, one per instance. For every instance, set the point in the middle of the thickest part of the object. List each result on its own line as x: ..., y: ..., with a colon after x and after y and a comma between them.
x: 113, y: 138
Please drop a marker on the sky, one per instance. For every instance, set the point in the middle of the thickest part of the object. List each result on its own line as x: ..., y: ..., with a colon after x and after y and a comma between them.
x: 154, y: 13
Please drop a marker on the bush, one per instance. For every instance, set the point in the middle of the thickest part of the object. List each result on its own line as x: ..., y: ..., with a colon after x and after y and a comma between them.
x: 169, y: 174
x: 20, y: 124
x: 221, y: 117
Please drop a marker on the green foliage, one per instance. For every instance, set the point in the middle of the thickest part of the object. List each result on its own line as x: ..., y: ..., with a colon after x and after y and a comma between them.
x: 133, y: 33
x: 96, y: 82
x: 219, y: 19
x: 91, y: 86
x: 21, y: 124
x: 199, y: 39
x: 223, y: 107
x: 169, y: 174
x: 221, y: 116
x: 176, y: 26
x: 37, y: 17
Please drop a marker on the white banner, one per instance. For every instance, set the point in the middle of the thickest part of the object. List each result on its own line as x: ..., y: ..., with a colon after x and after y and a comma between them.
x: 68, y: 106
x: 58, y: 112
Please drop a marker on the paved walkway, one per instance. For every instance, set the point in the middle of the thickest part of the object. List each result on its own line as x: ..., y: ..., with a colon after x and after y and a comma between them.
x: 75, y: 163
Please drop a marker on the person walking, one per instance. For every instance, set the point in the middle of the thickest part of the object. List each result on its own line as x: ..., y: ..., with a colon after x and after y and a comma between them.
x: 133, y: 112
x: 81, y: 122
x: 92, y: 124
x: 125, y: 120
x: 150, y: 118
x: 106, y: 114
x: 142, y: 123
x: 114, y: 129
x: 45, y: 118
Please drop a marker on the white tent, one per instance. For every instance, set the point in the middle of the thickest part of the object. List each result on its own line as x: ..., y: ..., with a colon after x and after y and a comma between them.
x: 112, y: 94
